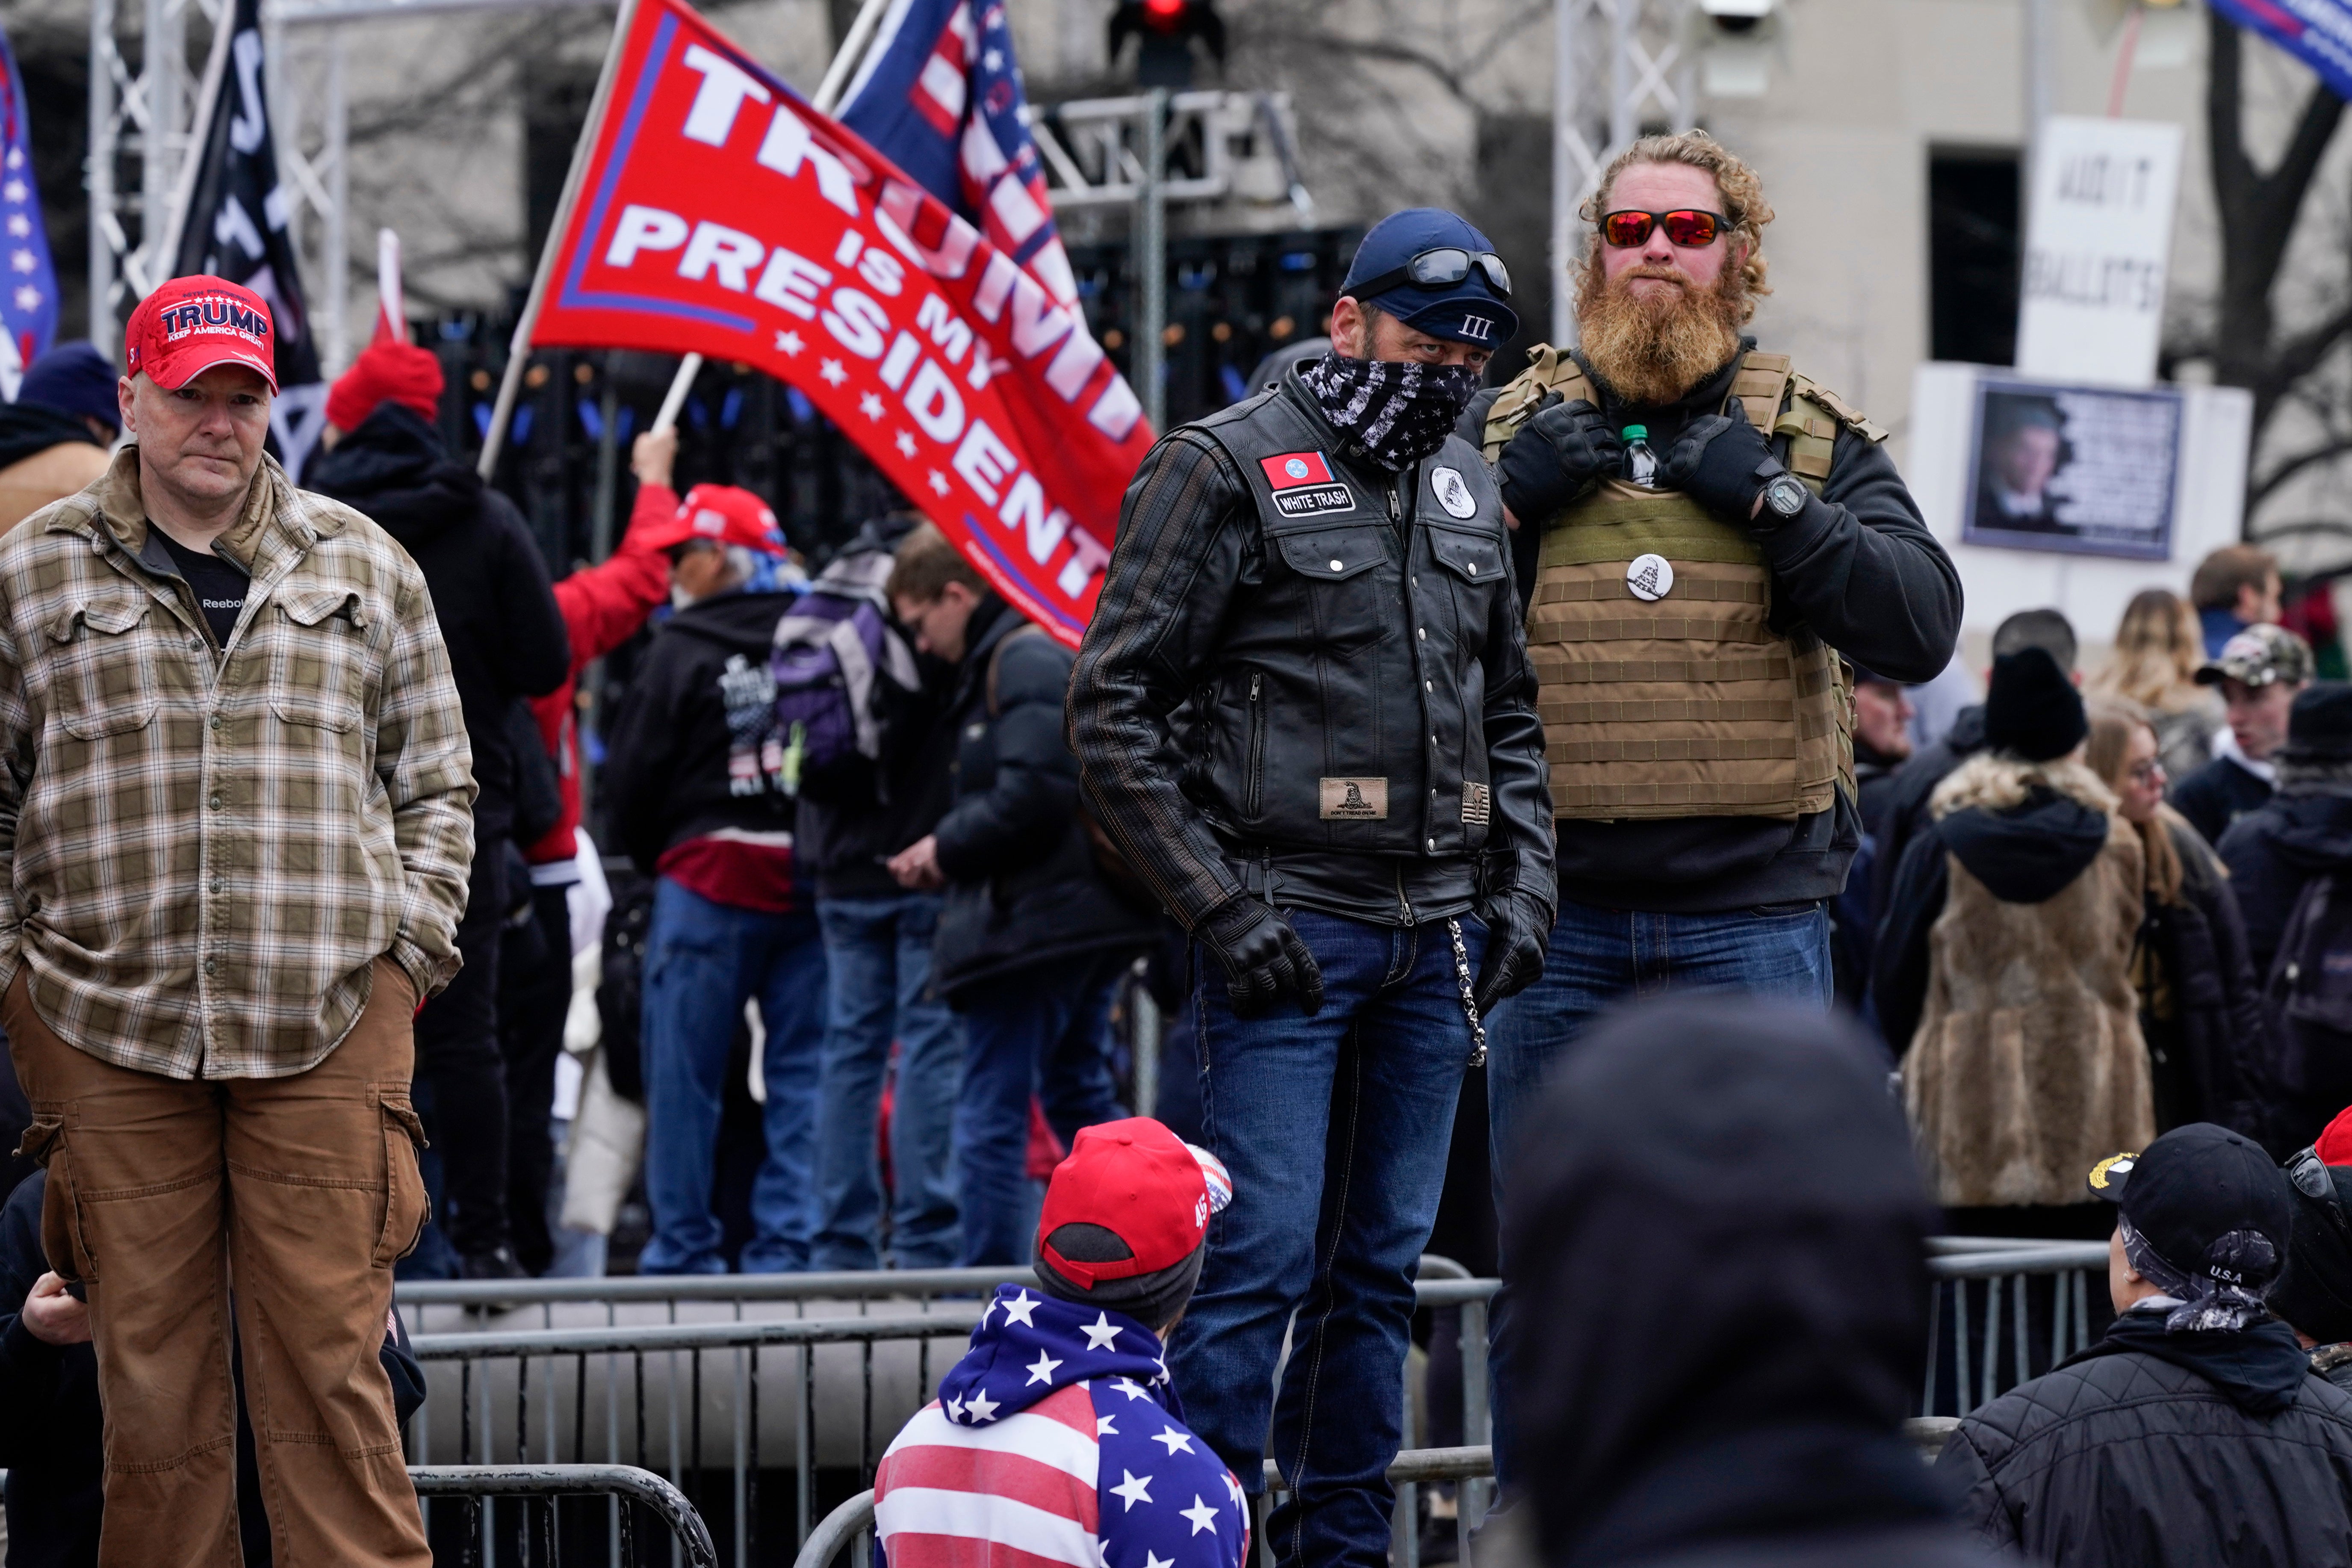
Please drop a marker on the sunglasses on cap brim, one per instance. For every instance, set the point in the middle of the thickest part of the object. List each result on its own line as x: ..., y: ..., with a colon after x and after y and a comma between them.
x: 1440, y: 267
x: 2310, y: 1176
x: 1688, y: 226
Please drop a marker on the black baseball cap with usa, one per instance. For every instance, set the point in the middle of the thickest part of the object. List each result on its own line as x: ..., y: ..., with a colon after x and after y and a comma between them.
x: 1432, y: 270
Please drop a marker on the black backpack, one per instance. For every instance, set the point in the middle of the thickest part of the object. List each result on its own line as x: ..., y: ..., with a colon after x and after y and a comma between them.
x: 2307, y: 1006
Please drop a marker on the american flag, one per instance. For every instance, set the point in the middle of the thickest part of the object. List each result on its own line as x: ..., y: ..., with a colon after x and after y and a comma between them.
x: 28, y: 286
x: 966, y: 138
x: 1056, y: 1439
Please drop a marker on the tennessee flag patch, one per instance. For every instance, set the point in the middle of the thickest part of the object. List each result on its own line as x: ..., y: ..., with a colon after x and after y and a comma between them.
x: 1288, y: 470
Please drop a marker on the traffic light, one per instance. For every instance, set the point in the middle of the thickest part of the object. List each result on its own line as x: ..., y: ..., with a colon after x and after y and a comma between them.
x: 1166, y: 29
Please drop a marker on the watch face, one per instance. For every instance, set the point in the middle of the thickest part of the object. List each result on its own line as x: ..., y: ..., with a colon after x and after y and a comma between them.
x: 1785, y: 496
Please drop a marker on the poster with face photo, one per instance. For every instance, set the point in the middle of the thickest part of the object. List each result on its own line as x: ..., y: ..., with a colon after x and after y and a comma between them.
x: 2080, y: 470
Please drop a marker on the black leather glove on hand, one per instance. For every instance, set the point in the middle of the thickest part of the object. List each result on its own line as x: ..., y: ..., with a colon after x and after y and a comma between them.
x: 1557, y: 457
x: 1262, y: 956
x: 1519, y: 930
x: 1723, y: 461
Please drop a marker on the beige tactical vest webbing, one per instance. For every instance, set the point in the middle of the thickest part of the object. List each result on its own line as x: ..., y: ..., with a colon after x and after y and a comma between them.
x: 1688, y: 704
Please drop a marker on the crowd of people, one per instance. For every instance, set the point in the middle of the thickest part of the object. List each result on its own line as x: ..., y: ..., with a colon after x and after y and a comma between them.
x: 1634, y: 675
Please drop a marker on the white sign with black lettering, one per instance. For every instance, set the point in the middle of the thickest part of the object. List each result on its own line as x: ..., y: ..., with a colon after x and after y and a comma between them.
x: 2098, y: 238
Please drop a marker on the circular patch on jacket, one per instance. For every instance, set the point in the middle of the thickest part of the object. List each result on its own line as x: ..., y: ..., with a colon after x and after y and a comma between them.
x: 1650, y: 577
x: 1452, y: 492
x: 1296, y: 468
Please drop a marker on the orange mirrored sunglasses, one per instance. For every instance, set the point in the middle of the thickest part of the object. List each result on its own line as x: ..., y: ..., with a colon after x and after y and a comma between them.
x: 1688, y: 227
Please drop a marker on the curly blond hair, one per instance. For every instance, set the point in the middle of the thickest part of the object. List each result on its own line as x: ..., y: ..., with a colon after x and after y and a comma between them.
x: 1744, y: 205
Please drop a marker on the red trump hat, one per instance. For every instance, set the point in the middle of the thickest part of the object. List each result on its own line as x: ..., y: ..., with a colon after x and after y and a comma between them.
x: 191, y: 324
x: 721, y: 514
x: 1142, y: 1184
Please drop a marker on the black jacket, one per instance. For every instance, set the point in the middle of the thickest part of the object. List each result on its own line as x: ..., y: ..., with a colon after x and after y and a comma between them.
x: 684, y: 756
x: 1023, y: 889
x: 1358, y: 731
x: 490, y: 594
x: 52, y: 1431
x: 2207, y: 1056
x: 2218, y: 794
x: 849, y: 826
x: 27, y: 430
x: 1904, y: 815
x: 2218, y: 1453
x: 1859, y: 567
x: 2273, y: 852
x: 1735, y: 1396
x: 2026, y: 856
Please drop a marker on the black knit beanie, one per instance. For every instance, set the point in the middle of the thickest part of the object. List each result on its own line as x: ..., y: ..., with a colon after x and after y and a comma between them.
x: 2032, y: 710
x: 1151, y: 1300
x: 2313, y: 1292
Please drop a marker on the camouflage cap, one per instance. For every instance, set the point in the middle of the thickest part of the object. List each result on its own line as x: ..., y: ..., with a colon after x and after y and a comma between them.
x: 2260, y: 656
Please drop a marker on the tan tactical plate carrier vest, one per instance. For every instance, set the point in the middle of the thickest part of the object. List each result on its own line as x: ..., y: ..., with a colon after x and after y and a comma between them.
x: 1690, y: 704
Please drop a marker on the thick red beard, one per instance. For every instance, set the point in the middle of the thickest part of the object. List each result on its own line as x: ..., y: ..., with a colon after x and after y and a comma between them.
x: 1651, y: 351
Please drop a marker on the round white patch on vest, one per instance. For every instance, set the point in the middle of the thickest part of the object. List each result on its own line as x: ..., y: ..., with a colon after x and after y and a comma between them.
x: 1452, y: 492
x: 1650, y: 577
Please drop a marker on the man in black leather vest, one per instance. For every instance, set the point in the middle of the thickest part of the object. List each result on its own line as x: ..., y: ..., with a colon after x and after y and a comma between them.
x: 1304, y: 712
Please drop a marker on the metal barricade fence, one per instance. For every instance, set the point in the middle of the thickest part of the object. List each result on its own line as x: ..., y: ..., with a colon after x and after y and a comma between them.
x: 714, y: 1392
x: 1996, y: 1304
x: 536, y: 1536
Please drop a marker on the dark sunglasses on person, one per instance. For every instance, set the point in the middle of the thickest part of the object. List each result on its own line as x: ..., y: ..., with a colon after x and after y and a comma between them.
x: 2310, y: 1175
x: 1686, y: 226
x: 1440, y: 268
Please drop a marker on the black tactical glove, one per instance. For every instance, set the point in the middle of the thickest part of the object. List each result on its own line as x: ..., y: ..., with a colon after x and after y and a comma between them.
x: 1262, y: 956
x: 1724, y: 462
x: 1518, y: 929
x: 1557, y: 459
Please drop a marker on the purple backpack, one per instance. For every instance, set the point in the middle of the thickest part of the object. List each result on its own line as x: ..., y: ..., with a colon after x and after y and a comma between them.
x: 832, y: 651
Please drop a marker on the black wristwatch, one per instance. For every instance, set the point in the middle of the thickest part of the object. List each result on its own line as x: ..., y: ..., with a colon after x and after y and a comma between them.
x: 1785, y: 496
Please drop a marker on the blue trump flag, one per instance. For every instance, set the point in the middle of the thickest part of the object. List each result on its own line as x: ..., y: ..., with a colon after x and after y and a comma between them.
x: 940, y: 95
x: 2316, y: 32
x: 29, y: 298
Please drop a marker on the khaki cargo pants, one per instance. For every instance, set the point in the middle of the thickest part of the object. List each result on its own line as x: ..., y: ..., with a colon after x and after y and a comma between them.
x: 301, y: 1191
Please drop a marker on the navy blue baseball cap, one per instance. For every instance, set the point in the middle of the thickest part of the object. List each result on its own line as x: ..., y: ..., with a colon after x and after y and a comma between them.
x: 1474, y: 309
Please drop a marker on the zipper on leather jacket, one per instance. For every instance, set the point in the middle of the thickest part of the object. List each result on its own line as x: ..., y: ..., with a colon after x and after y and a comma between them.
x: 1256, y: 740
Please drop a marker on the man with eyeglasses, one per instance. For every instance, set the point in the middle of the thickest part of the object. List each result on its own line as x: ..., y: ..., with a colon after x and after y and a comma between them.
x: 1304, y: 712
x: 2313, y: 1293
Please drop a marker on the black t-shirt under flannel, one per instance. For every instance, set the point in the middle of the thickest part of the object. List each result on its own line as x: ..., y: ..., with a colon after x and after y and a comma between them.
x: 220, y: 583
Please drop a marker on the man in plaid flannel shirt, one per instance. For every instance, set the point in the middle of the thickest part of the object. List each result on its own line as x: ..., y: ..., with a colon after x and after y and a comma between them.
x: 236, y: 822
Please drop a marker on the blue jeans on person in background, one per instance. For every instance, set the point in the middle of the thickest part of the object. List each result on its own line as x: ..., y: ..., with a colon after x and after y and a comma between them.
x: 703, y: 961
x: 1335, y: 1128
x: 878, y: 960
x: 1597, y: 958
x: 1042, y: 1032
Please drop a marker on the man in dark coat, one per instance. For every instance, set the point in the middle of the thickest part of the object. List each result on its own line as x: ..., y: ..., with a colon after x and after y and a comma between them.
x: 1737, y: 1395
x: 506, y: 641
x: 2302, y: 832
x: 2260, y: 672
x: 694, y: 792
x: 2313, y: 1293
x: 1032, y: 938
x: 2194, y: 1431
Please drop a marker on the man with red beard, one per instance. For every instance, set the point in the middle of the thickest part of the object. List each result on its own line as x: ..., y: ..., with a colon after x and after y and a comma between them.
x: 1692, y: 634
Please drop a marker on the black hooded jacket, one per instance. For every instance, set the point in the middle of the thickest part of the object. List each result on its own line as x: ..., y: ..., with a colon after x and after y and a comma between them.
x: 1903, y: 812
x: 490, y: 588
x: 701, y: 687
x: 27, y: 430
x: 2026, y: 856
x: 1718, y: 1208
x: 2273, y: 852
x: 2153, y: 1449
x: 1860, y: 568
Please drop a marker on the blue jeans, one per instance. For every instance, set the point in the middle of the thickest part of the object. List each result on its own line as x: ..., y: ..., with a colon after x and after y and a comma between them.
x: 1038, y: 1033
x: 878, y: 957
x: 1597, y: 958
x: 1335, y: 1128
x: 703, y: 961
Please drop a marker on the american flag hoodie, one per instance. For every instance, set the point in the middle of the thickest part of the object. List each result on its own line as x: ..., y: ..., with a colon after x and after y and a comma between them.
x: 1056, y: 1439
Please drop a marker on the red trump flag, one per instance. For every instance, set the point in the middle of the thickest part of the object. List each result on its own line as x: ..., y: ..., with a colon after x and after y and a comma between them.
x: 717, y: 212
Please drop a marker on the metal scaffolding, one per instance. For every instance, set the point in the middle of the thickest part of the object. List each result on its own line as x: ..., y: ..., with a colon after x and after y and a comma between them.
x: 1618, y: 67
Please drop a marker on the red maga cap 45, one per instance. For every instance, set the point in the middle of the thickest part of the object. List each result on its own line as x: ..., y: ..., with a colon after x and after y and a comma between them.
x: 1142, y: 1184
x: 191, y: 324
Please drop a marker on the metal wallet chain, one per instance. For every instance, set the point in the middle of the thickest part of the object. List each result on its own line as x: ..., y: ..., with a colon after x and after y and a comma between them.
x: 1469, y: 994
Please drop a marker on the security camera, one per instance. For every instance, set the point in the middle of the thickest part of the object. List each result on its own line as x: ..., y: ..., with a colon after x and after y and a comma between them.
x: 1737, y: 16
